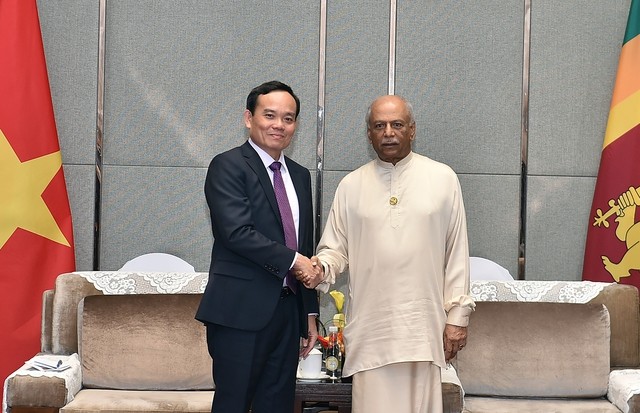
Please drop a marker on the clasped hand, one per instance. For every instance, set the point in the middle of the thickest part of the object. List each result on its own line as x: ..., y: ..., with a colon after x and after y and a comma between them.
x: 308, y: 271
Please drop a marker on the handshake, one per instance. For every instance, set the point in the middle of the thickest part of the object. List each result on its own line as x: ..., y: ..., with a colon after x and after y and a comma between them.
x: 308, y: 271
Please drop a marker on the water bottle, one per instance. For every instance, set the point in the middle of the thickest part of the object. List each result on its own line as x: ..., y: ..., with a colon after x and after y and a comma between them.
x: 333, y: 362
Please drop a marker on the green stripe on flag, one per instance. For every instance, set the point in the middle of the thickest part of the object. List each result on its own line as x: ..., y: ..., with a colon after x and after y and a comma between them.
x: 633, y: 24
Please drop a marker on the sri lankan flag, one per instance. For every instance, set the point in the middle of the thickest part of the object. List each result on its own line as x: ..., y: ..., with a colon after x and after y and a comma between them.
x: 612, y: 250
x: 36, y: 240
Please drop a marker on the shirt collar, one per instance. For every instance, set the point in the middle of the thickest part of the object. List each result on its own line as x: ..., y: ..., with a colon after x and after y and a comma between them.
x: 401, y: 163
x: 266, y: 158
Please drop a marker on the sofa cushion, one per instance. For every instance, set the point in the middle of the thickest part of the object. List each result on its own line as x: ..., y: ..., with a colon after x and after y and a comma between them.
x: 621, y: 300
x: 502, y: 405
x: 532, y: 349
x: 94, y: 401
x: 143, y: 342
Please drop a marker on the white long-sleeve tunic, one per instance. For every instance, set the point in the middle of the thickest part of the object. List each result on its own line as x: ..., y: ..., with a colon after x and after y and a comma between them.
x: 401, y: 231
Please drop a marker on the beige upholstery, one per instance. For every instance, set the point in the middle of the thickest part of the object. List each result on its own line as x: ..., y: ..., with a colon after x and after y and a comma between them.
x: 70, y: 290
x: 45, y: 323
x: 523, y: 356
x: 36, y: 392
x: 60, y: 336
x: 503, y: 405
x: 144, y: 342
x: 101, y: 401
x: 536, y: 350
x: 623, y: 304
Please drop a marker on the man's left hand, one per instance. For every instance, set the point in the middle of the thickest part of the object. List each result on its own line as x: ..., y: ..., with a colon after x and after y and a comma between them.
x: 312, y: 337
x: 455, y: 338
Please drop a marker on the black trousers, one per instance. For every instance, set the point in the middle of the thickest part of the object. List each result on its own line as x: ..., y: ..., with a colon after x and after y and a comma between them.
x: 256, y: 369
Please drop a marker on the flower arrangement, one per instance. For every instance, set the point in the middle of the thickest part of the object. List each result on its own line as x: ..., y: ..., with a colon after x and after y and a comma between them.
x: 338, y: 320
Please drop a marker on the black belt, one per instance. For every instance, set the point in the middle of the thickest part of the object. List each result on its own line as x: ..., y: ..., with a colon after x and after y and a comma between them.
x: 285, y: 292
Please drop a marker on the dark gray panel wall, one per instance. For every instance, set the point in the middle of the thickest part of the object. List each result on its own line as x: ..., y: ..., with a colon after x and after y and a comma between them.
x: 155, y: 209
x: 574, y: 57
x: 557, y: 219
x: 492, y: 206
x: 177, y: 75
x: 70, y: 38
x: 357, y: 60
x: 460, y: 64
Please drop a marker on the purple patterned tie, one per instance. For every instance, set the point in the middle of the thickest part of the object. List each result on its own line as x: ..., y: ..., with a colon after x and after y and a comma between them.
x: 286, y: 216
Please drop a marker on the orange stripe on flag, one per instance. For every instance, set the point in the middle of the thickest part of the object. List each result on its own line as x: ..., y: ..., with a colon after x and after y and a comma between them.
x: 622, y: 118
x: 628, y: 77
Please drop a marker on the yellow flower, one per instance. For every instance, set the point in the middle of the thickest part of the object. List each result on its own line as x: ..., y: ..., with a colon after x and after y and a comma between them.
x: 338, y: 299
x: 339, y: 319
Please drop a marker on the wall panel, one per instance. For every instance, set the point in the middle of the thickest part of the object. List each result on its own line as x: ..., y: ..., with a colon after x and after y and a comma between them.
x: 177, y: 77
x: 357, y: 60
x: 178, y: 73
x: 80, y: 181
x: 70, y: 37
x: 459, y: 64
x: 492, y: 206
x: 151, y: 209
x: 557, y: 220
x: 574, y: 57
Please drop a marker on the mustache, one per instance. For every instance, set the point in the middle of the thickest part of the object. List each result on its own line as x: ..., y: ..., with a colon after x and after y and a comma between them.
x: 389, y: 141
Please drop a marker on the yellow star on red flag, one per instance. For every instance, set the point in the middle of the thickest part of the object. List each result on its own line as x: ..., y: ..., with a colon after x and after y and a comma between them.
x: 21, y: 202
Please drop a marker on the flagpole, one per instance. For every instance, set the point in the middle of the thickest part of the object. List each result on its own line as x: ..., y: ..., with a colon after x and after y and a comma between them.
x: 524, y: 139
x: 97, y: 218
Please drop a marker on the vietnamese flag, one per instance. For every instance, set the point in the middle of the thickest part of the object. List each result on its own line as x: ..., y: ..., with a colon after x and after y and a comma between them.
x: 612, y: 252
x: 36, y: 235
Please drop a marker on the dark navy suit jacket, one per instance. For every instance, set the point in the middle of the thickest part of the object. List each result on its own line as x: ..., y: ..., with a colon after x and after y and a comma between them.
x: 249, y: 257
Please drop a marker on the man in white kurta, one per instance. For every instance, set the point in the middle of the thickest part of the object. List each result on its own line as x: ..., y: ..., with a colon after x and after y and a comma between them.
x: 398, y: 225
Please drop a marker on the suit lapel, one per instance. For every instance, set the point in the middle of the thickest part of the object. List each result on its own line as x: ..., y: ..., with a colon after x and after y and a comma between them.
x: 255, y: 163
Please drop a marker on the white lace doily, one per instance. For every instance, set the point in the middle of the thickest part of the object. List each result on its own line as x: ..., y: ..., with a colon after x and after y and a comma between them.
x: 72, y: 377
x: 540, y: 291
x: 623, y: 384
x: 124, y: 282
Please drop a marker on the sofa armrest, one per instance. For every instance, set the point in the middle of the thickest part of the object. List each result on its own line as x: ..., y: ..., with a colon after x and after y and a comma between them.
x: 46, y: 326
x: 28, y: 387
x: 624, y: 390
x: 452, y: 391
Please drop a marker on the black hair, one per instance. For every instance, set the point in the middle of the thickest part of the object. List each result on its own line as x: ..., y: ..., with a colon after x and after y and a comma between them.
x: 268, y: 87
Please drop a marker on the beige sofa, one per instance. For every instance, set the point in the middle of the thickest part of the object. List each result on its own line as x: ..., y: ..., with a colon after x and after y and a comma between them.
x: 144, y: 352
x: 526, y: 355
x: 139, y: 347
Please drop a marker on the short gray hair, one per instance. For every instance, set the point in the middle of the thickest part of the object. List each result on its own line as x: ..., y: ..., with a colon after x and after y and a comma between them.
x: 412, y: 118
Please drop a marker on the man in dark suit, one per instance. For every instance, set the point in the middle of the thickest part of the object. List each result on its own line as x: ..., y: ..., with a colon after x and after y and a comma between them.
x: 255, y: 314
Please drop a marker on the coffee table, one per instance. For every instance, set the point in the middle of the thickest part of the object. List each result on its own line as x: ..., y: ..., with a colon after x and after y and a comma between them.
x: 337, y: 395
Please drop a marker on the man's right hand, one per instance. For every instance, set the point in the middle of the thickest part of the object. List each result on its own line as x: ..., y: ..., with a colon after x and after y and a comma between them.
x: 308, y: 271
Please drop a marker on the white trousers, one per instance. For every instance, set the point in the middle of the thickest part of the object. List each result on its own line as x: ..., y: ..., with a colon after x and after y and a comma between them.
x: 412, y: 387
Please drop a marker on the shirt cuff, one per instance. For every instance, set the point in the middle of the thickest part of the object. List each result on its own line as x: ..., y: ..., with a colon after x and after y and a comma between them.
x: 459, y: 316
